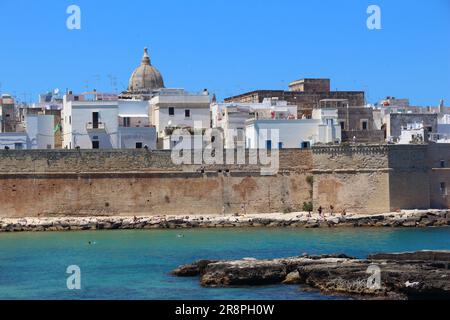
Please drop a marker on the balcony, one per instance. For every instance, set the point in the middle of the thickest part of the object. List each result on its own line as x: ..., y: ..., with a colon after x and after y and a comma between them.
x: 100, y: 126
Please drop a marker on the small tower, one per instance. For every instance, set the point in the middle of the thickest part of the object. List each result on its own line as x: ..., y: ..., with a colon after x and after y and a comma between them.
x: 441, y: 107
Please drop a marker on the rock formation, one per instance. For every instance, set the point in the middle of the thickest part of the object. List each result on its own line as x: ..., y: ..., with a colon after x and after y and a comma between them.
x: 416, y: 275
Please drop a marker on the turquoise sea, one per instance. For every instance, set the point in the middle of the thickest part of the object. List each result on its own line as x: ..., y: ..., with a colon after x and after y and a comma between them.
x: 136, y: 264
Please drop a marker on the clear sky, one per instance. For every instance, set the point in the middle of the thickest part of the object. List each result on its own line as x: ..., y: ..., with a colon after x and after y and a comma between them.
x: 229, y: 46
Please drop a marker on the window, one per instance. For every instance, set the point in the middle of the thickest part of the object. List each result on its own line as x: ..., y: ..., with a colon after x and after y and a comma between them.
x: 187, y: 113
x: 70, y: 119
x: 280, y: 145
x: 443, y: 189
x: 95, y: 144
x: 95, y: 120
x: 330, y: 122
x: 171, y: 111
x: 305, y: 145
x: 342, y: 125
x: 126, y: 122
x: 269, y: 144
x: 364, y: 125
x: 138, y: 145
x: 442, y: 163
x: 49, y: 146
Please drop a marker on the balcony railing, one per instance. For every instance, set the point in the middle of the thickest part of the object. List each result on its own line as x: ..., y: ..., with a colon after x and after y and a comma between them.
x: 95, y: 126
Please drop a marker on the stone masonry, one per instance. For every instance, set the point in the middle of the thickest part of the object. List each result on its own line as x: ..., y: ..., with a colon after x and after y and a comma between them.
x: 363, y: 179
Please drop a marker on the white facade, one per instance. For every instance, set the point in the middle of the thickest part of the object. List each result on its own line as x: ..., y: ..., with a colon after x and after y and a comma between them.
x: 232, y: 117
x: 323, y: 128
x: 13, y: 140
x: 175, y: 108
x: 107, y: 124
x: 137, y: 138
x: 412, y: 134
x: 90, y: 124
x: 40, y: 131
x: 38, y: 134
x: 135, y: 128
x: 443, y: 129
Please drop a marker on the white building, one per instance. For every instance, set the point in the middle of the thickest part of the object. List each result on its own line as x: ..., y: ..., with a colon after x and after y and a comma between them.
x: 137, y: 118
x: 13, y: 140
x: 267, y: 133
x: 414, y: 133
x: 89, y: 123
x: 443, y: 127
x: 93, y: 123
x: 135, y: 128
x: 40, y: 129
x: 232, y: 117
x: 38, y: 134
x: 176, y: 108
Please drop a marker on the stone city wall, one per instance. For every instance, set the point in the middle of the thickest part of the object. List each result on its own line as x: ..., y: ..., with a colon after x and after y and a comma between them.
x: 381, y: 178
x: 354, y: 179
x: 439, y: 163
x: 363, y: 179
x: 409, y: 177
x: 130, y: 182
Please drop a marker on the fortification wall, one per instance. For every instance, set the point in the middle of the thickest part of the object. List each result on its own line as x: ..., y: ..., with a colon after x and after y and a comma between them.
x: 48, y: 183
x: 439, y: 163
x: 352, y: 178
x: 364, y: 179
x: 409, y: 177
x: 376, y: 179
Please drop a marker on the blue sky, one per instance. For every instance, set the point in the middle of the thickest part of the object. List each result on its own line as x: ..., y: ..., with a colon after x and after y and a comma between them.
x: 229, y: 46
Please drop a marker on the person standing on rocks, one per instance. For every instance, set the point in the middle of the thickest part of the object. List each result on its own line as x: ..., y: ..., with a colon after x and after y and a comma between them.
x: 243, y: 211
x: 320, y: 210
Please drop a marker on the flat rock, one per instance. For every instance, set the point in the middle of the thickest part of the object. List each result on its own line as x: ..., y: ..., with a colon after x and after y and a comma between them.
x: 408, y: 275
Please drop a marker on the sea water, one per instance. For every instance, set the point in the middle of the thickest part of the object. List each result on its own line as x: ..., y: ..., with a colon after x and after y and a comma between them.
x: 137, y: 264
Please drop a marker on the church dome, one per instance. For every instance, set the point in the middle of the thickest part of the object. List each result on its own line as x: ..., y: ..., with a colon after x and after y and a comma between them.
x: 145, y: 78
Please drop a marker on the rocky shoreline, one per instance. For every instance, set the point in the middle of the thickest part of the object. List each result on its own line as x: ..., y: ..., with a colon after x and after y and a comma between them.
x: 407, y: 218
x: 416, y: 275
